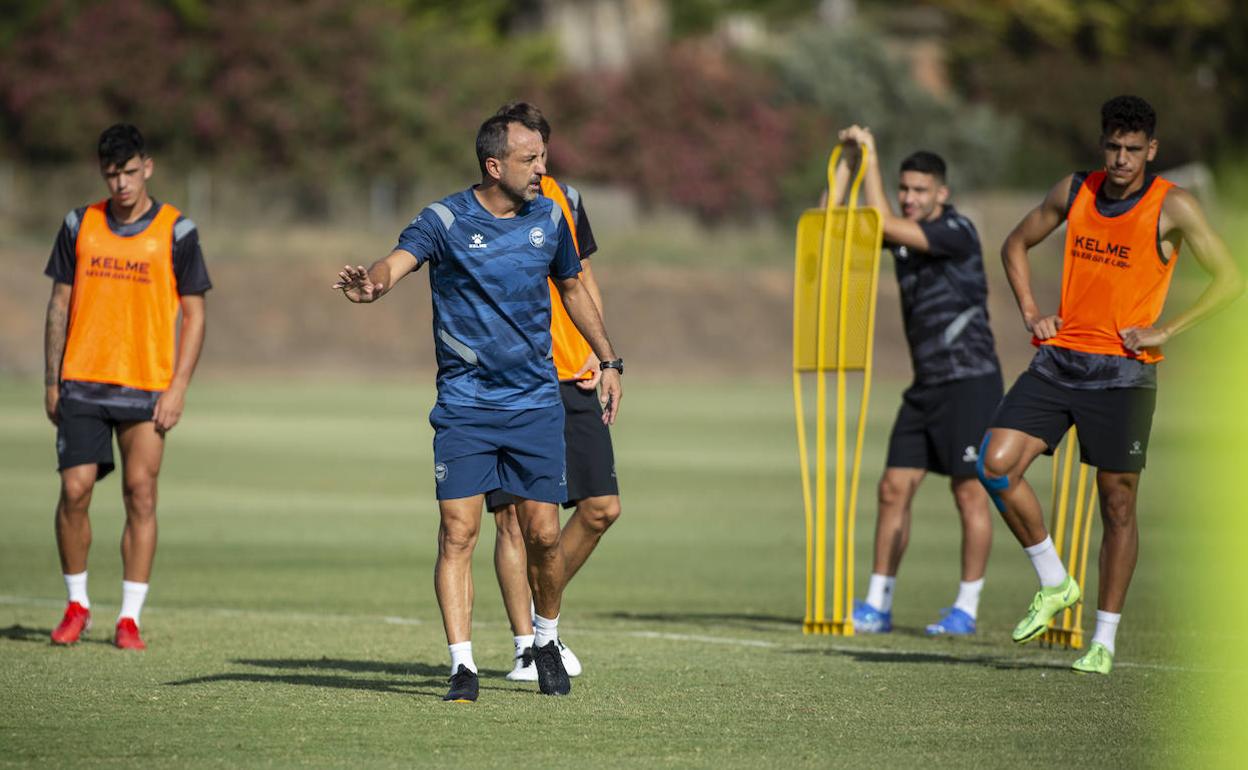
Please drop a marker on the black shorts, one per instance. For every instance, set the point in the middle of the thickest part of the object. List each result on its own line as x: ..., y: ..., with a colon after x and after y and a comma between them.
x: 590, y: 460
x: 1113, y: 423
x: 84, y: 433
x: 939, y: 427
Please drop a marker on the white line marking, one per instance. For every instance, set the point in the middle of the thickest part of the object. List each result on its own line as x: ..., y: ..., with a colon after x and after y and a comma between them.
x: 667, y: 636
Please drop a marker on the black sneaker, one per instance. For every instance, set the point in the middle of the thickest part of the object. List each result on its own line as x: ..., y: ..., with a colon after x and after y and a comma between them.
x: 552, y: 677
x: 464, y: 686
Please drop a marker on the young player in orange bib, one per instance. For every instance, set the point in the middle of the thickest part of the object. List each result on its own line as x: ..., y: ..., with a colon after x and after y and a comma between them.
x: 122, y: 269
x: 1096, y: 361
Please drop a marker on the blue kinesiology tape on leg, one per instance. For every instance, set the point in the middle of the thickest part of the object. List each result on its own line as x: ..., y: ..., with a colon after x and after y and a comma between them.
x: 995, y: 485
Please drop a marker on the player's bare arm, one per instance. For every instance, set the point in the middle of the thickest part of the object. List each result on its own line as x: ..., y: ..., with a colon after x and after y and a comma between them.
x: 56, y: 327
x: 1039, y: 223
x: 897, y: 229
x: 1183, y: 221
x: 360, y: 285
x: 190, y: 342
x: 584, y: 314
x: 591, y: 363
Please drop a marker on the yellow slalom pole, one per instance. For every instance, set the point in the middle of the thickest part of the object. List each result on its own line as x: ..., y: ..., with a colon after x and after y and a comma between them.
x: 839, y: 558
x: 821, y: 405
x: 1076, y: 531
x: 803, y: 456
x: 1083, y: 559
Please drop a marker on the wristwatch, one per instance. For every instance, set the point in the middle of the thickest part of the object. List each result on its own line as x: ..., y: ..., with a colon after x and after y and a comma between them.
x: 616, y: 364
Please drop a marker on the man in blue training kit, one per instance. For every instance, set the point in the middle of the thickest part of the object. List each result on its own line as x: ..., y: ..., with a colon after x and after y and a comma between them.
x: 498, y: 420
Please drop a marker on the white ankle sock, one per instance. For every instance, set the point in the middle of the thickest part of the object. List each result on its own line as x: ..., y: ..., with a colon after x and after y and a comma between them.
x: 880, y: 592
x: 461, y: 655
x: 968, y: 596
x: 132, y: 598
x: 1107, y: 628
x: 1047, y: 563
x: 523, y: 642
x: 545, y: 630
x: 76, y: 588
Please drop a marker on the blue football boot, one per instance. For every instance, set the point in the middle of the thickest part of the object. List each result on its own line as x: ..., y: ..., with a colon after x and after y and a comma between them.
x: 953, y: 622
x: 869, y: 620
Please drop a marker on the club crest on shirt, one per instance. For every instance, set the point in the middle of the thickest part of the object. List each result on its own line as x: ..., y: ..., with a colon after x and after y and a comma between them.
x: 537, y: 237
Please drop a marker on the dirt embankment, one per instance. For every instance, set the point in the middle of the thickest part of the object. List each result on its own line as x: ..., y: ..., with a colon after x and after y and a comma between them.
x: 668, y: 322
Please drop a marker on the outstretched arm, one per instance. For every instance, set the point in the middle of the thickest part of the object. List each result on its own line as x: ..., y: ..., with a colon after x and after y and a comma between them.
x: 585, y: 316
x: 360, y: 285
x: 1183, y: 220
x: 1035, y: 227
x: 56, y: 327
x: 190, y: 342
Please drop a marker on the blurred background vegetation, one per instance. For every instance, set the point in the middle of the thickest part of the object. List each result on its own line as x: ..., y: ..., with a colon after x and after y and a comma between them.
x: 721, y: 108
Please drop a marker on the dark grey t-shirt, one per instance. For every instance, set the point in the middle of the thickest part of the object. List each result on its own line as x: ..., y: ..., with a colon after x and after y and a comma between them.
x: 944, y: 295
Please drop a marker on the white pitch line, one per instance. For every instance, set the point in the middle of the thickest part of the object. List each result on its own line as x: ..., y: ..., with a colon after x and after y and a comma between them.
x: 636, y: 634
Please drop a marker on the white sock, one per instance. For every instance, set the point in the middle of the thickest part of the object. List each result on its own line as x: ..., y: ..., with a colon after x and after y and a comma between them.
x: 1106, y: 628
x: 545, y: 630
x: 880, y: 592
x: 1047, y: 563
x: 76, y: 588
x: 461, y: 655
x: 523, y: 642
x: 968, y: 596
x: 132, y: 597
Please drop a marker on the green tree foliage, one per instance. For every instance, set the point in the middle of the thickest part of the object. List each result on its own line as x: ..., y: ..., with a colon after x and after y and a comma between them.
x: 846, y: 76
x: 696, y: 128
x: 1053, y: 62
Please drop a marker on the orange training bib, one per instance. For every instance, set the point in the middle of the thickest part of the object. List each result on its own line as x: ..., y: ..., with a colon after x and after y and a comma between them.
x: 570, y: 348
x: 1114, y: 275
x: 124, y: 307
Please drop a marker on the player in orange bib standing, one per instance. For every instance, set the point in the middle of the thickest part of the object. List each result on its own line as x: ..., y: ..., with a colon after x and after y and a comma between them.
x: 115, y: 362
x: 593, y: 492
x: 1096, y: 361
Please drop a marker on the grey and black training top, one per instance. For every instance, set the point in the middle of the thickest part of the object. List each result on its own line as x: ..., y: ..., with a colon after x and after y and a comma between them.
x: 944, y: 295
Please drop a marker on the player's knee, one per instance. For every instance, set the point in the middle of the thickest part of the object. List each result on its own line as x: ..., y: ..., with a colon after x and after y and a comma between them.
x: 139, y: 495
x: 969, y: 497
x: 891, y: 492
x: 457, y: 536
x: 76, y: 492
x: 542, y: 535
x: 507, y: 524
x: 993, y: 468
x: 1118, y: 496
x: 600, y: 513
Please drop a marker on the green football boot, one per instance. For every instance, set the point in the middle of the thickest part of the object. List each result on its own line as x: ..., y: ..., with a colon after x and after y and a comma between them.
x: 1097, y: 660
x: 1048, y: 602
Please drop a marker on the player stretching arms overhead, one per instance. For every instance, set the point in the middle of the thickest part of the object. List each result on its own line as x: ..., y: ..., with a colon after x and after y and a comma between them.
x: 957, y: 381
x: 498, y: 420
x: 1096, y: 360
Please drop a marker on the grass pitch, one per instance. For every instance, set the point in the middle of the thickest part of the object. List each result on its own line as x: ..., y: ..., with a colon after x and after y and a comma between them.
x: 292, y: 619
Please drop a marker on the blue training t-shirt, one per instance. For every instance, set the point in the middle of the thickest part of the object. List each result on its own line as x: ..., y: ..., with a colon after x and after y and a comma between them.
x: 491, y: 304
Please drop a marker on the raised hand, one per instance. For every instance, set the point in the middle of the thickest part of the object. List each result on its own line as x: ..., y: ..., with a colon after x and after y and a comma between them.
x: 356, y: 285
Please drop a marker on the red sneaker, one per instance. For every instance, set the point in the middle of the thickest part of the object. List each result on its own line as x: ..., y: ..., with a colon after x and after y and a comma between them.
x: 77, y: 620
x: 127, y: 637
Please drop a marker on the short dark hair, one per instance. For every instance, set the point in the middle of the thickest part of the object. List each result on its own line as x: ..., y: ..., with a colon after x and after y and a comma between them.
x: 119, y: 143
x: 925, y: 163
x: 528, y: 115
x: 1127, y: 114
x: 492, y: 136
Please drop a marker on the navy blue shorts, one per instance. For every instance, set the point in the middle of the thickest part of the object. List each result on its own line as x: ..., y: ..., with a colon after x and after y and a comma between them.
x: 519, y: 451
